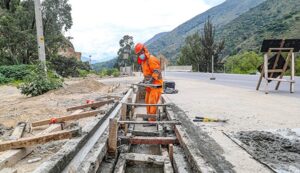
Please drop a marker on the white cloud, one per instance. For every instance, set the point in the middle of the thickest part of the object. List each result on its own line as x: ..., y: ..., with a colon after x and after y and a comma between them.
x: 100, y: 24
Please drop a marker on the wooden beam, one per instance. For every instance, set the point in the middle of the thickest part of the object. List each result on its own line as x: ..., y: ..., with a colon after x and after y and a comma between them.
x: 149, y: 140
x: 143, y: 133
x: 149, y: 122
x: 193, y: 155
x: 282, y: 80
x: 30, y: 141
x: 121, y: 164
x: 94, y: 105
x: 18, y: 131
x: 146, y: 115
x: 112, y: 136
x: 8, y: 170
x: 67, y: 118
x: 284, y: 68
x: 167, y: 163
x: 142, y: 104
x: 146, y: 158
x: 11, y: 157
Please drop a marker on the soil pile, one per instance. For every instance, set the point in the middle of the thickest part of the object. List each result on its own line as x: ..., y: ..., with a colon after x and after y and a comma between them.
x: 85, y: 86
x: 280, y: 153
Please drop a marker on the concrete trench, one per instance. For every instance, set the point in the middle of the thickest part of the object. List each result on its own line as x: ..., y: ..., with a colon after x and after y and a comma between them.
x: 193, y: 151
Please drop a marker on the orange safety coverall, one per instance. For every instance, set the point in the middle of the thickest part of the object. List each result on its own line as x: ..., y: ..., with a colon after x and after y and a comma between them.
x: 151, y: 68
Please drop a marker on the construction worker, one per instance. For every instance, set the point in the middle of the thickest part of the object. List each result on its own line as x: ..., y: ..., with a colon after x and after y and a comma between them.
x: 152, y: 75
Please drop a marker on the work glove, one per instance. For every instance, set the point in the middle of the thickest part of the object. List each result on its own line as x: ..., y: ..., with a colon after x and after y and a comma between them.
x: 149, y: 81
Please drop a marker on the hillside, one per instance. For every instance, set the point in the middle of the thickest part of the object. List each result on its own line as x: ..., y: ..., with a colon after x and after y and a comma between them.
x: 271, y: 19
x: 169, y: 43
x: 106, y: 64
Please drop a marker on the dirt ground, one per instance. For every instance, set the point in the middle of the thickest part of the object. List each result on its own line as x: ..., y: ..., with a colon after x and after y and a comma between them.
x: 247, y: 110
x: 16, y: 108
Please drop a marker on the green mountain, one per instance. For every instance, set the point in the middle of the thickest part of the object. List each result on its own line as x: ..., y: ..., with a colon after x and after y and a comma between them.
x: 169, y: 43
x: 102, y: 65
x: 271, y: 19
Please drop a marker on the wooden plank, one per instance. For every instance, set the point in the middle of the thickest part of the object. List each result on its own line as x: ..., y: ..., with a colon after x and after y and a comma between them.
x: 275, y: 70
x: 143, y: 133
x: 143, y: 105
x: 11, y: 157
x: 123, y: 113
x: 149, y: 122
x: 30, y: 141
x: 171, y: 152
x: 292, y: 85
x: 193, y: 155
x: 146, y: 115
x: 284, y: 69
x: 8, y: 170
x: 121, y: 164
x: 277, y: 58
x: 167, y: 163
x: 281, y: 49
x: 266, y: 73
x: 180, y: 162
x: 94, y: 105
x: 113, y: 136
x: 282, y: 80
x: 67, y: 118
x: 18, y: 131
x: 144, y: 158
x: 150, y: 140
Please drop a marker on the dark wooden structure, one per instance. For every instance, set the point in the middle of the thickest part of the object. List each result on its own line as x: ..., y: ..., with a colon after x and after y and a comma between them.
x: 279, y: 56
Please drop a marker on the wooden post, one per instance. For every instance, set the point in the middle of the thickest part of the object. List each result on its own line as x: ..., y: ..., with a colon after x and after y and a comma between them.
x: 123, y: 113
x: 266, y: 72
x: 292, y: 84
x: 18, y: 131
x: 113, y: 136
x: 171, y: 152
x: 284, y: 68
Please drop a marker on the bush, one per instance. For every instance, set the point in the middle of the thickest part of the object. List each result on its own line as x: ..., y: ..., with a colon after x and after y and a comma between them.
x: 109, y: 72
x: 16, y: 72
x: 116, y: 74
x: 38, y: 82
x: 83, y: 73
x: 4, y: 80
x: 67, y: 67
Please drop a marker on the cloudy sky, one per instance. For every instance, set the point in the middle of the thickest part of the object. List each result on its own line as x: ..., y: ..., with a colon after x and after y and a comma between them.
x: 100, y: 24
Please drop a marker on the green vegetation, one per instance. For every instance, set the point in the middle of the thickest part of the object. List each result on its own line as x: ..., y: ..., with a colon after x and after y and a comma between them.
x: 69, y: 67
x: 244, y: 63
x: 102, y: 65
x: 38, y: 82
x: 126, y: 55
x: 199, y: 50
x: 18, y: 30
x: 109, y: 72
x: 169, y: 43
x: 14, y: 72
x: 269, y: 20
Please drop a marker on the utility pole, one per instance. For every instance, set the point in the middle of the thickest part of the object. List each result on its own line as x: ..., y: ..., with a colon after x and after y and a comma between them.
x: 39, y: 32
x: 212, y: 68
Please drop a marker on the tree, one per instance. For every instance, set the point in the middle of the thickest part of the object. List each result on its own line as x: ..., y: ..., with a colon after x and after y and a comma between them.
x: 126, y: 55
x: 191, y: 53
x: 18, y: 34
x: 244, y: 63
x: 209, y: 47
x: 198, y: 50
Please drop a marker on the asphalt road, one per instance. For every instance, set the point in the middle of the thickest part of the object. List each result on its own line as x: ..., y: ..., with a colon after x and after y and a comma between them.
x: 236, y: 80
